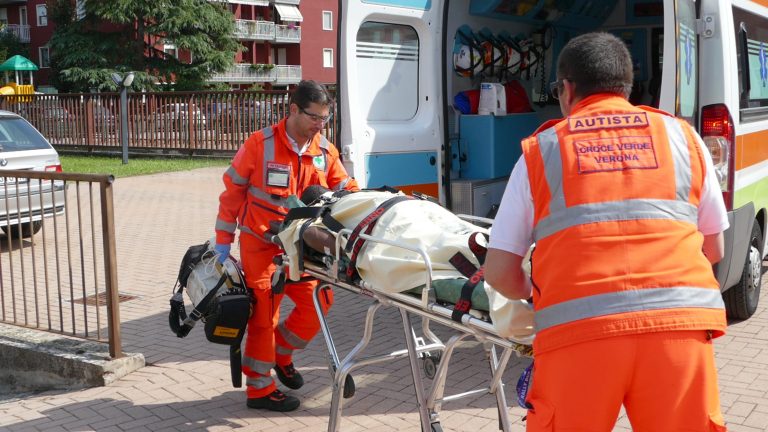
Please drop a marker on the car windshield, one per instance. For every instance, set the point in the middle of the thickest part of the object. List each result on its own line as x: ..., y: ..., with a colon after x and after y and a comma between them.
x: 17, y: 135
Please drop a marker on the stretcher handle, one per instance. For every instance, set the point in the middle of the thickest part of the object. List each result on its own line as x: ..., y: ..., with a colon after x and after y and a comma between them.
x: 472, y: 218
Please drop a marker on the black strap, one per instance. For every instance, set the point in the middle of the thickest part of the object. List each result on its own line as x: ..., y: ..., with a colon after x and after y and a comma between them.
x: 473, y: 274
x: 314, y: 212
x: 465, y: 299
x: 331, y: 222
x: 355, y: 243
x: 311, y: 212
x: 384, y: 188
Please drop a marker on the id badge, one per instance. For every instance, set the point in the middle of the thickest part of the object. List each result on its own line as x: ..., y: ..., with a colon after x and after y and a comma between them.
x: 278, y: 175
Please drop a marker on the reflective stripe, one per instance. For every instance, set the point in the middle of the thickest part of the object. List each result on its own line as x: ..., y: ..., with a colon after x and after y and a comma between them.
x: 283, y: 350
x: 549, y: 146
x: 258, y: 366
x: 269, y: 151
x: 290, y: 337
x: 681, y: 155
x: 342, y: 184
x: 635, y: 209
x: 259, y: 382
x: 562, y: 217
x: 229, y: 227
x: 236, y: 178
x: 263, y: 196
x: 245, y: 229
x: 627, y: 301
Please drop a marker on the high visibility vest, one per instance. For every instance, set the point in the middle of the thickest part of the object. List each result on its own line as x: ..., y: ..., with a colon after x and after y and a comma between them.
x: 615, y: 191
x: 266, y: 170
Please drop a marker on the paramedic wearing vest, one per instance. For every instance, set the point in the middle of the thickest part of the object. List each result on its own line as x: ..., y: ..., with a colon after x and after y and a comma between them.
x: 271, y: 165
x: 627, y: 219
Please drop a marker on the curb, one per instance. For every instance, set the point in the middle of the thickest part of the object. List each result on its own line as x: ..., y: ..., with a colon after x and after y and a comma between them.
x: 35, y: 360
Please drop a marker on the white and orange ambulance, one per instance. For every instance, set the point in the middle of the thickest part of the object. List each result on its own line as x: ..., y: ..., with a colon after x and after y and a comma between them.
x: 435, y: 96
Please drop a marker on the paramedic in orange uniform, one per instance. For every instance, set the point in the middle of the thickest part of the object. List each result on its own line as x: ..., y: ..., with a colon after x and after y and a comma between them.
x: 271, y: 165
x: 627, y: 217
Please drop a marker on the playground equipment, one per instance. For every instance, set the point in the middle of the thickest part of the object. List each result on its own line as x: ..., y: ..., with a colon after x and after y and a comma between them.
x: 18, y: 64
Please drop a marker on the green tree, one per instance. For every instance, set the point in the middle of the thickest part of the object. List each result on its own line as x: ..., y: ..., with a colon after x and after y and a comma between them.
x: 125, y: 35
x: 11, y: 46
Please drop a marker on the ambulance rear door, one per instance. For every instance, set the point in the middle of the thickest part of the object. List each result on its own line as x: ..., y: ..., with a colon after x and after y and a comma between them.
x: 680, y: 57
x: 390, y: 99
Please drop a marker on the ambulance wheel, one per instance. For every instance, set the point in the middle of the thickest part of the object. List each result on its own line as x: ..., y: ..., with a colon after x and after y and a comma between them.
x: 349, y: 387
x: 741, y: 299
x: 430, y: 365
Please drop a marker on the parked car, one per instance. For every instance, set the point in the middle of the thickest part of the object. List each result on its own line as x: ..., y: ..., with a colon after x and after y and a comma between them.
x: 176, y: 117
x: 24, y: 202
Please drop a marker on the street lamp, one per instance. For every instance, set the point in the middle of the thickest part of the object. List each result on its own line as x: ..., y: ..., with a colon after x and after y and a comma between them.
x: 123, y: 82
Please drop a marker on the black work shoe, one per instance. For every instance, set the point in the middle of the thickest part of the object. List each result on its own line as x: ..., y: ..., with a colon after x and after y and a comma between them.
x: 275, y: 401
x: 289, y: 376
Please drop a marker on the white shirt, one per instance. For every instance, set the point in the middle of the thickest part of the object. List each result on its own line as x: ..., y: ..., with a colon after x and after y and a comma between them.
x: 513, y: 226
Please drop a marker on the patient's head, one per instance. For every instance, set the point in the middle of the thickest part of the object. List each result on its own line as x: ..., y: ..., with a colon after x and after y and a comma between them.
x: 312, y: 193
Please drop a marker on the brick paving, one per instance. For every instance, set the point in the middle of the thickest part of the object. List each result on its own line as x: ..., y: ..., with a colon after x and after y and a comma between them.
x: 185, y: 385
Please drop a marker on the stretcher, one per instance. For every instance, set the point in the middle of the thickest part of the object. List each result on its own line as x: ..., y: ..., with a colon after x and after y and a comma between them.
x: 427, y: 352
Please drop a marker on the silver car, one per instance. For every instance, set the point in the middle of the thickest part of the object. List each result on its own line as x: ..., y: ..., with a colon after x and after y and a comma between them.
x: 23, y: 201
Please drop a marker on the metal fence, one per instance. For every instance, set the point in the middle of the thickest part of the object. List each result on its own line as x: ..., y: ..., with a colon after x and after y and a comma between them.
x: 57, y: 255
x: 191, y: 123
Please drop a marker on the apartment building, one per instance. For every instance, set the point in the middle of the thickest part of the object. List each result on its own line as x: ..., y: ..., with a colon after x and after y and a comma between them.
x: 284, y: 41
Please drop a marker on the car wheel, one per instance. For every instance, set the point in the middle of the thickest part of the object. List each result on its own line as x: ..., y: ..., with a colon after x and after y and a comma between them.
x: 28, y: 229
x: 741, y: 299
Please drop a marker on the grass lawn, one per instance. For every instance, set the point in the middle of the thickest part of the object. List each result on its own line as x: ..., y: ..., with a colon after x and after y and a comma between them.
x: 135, y: 165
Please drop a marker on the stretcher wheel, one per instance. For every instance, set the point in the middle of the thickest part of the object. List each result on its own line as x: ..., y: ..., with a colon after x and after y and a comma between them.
x: 430, y: 365
x: 349, y: 387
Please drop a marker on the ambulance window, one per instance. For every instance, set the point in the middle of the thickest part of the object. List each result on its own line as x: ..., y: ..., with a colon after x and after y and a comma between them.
x: 752, y: 38
x: 388, y: 67
x: 687, y: 61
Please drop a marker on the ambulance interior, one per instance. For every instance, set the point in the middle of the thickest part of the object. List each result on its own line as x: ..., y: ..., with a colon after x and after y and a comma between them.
x: 501, y: 58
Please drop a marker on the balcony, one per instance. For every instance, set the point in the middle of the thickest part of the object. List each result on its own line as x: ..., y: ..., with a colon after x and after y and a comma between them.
x: 254, y: 30
x: 246, y: 73
x: 20, y: 31
x: 287, y: 33
x: 286, y: 74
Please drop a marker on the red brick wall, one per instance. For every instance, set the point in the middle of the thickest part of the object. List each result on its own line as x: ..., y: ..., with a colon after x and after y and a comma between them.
x: 314, y: 39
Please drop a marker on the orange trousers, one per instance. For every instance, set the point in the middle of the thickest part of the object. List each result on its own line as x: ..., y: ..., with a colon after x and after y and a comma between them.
x: 269, y: 341
x: 667, y: 381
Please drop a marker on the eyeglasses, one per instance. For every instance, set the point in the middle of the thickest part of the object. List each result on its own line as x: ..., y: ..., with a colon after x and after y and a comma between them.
x: 555, y: 87
x: 316, y: 117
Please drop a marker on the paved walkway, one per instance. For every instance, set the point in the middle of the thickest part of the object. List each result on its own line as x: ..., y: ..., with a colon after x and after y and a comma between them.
x: 185, y: 385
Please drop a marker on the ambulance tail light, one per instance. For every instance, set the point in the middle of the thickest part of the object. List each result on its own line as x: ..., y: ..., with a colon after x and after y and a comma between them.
x: 720, y: 138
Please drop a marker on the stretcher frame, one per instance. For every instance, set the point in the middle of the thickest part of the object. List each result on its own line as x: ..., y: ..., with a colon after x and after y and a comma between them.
x: 429, y: 403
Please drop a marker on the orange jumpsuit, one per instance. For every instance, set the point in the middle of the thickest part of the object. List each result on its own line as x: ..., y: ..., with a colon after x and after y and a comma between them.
x: 625, y: 301
x: 266, y: 170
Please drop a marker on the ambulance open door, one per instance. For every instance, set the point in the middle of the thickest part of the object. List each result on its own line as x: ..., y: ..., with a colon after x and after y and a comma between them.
x: 390, y: 97
x: 680, y: 57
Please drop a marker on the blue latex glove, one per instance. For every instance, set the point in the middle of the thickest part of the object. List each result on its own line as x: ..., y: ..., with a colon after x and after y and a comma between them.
x: 222, y: 251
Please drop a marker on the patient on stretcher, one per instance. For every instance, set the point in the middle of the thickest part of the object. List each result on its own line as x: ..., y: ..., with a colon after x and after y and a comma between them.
x: 310, y: 233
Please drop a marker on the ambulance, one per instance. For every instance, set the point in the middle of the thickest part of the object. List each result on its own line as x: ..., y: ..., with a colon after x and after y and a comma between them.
x: 435, y: 96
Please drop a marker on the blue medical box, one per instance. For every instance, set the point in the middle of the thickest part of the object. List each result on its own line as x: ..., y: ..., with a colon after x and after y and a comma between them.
x: 489, y: 145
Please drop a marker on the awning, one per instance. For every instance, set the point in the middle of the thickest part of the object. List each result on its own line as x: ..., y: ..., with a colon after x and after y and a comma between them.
x: 289, y: 13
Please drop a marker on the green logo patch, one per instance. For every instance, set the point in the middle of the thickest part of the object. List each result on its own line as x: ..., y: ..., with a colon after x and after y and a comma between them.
x: 319, y: 162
